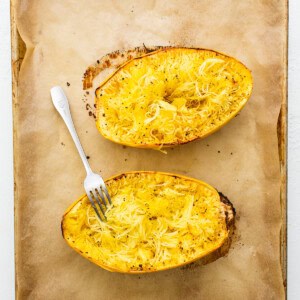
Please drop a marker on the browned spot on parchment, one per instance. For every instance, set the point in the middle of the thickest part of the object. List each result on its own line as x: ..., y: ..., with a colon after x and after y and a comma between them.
x: 113, y: 60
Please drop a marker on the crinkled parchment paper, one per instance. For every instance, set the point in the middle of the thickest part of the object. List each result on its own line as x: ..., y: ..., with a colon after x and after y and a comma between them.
x: 63, y: 38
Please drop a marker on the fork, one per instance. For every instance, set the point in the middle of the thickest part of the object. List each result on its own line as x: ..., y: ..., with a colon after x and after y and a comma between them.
x: 94, y: 185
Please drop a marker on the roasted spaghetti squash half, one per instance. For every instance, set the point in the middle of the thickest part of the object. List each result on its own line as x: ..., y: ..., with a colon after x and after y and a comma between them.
x: 171, y: 96
x: 157, y: 221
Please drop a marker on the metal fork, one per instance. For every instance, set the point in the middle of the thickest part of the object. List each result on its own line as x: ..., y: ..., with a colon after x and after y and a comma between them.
x: 93, y: 184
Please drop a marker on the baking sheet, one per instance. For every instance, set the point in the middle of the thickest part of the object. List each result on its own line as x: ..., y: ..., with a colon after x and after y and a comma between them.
x: 62, y: 39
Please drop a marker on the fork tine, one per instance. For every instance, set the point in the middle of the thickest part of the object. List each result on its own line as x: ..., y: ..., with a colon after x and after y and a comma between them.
x: 106, y: 193
x: 98, y: 202
x: 100, y: 193
x: 94, y: 207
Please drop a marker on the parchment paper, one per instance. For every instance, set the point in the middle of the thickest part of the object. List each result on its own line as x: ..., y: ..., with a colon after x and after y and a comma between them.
x: 241, y: 160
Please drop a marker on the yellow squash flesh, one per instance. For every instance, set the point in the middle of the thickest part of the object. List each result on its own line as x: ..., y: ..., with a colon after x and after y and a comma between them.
x: 171, y: 96
x: 158, y: 221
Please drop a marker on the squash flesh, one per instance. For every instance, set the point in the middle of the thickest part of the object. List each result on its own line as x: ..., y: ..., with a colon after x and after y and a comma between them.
x: 158, y: 221
x: 171, y: 96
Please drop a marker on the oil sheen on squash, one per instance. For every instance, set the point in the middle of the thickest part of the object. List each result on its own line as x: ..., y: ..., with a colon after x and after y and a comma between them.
x: 171, y: 96
x: 158, y: 221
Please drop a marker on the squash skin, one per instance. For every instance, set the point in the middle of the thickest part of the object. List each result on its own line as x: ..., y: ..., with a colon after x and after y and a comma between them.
x: 137, y: 144
x: 211, y: 255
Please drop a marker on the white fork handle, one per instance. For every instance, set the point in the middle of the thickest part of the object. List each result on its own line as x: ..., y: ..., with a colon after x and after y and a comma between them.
x: 61, y: 104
